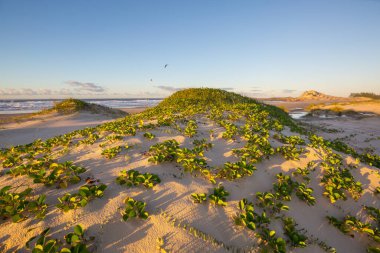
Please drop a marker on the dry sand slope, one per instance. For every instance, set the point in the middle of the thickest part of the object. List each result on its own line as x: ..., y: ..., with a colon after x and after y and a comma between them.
x: 185, y: 226
x: 371, y: 106
x: 361, y: 134
x: 47, y: 126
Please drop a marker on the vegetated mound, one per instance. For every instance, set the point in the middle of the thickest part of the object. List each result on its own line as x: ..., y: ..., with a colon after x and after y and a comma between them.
x: 355, y: 109
x: 71, y: 105
x: 209, y: 98
x: 370, y: 95
x: 67, y: 106
x: 204, y: 171
x: 337, y: 111
x: 204, y: 97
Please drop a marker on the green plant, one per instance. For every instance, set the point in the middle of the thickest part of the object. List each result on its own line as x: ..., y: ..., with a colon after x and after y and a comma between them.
x: 111, y: 152
x: 291, y: 140
x: 336, y: 180
x: 135, y: 178
x: 270, y: 201
x: 85, y: 194
x: 149, y: 135
x: 165, y: 151
x: 304, y: 193
x: 284, y: 186
x: 373, y: 249
x: 90, y: 139
x: 304, y: 172
x: 265, y: 199
x: 374, y: 214
x: 160, y: 245
x: 201, y: 145
x: 199, y: 197
x: 277, y: 126
x: 351, y: 223
x: 231, y: 130
x: 297, y: 239
x: 276, y: 244
x: 114, y: 138
x: 134, y: 209
x: 18, y: 205
x: 218, y: 197
x: 254, y: 152
x: 365, y: 94
x: 10, y: 161
x: 75, y: 242
x: 290, y: 152
x: 236, y: 170
x: 48, y: 172
x: 316, y: 141
x: 190, y: 160
x: 248, y: 217
x: 191, y: 128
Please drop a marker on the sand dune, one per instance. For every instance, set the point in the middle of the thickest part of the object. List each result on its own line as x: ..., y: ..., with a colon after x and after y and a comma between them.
x: 181, y: 224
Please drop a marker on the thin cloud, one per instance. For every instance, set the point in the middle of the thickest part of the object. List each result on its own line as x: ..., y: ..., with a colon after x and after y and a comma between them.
x: 168, y: 88
x: 87, y: 87
x: 65, y: 92
x: 287, y: 91
x: 257, y: 94
x: 148, y: 94
x: 173, y: 89
x: 34, y: 92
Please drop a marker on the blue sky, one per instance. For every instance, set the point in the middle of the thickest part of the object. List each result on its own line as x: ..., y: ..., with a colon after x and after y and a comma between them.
x: 260, y: 48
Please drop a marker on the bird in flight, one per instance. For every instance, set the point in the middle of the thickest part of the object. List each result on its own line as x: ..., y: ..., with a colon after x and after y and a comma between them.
x: 166, y: 65
x: 151, y: 80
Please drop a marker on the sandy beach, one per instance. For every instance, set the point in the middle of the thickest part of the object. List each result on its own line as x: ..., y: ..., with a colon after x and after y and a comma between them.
x: 47, y: 126
x: 173, y: 216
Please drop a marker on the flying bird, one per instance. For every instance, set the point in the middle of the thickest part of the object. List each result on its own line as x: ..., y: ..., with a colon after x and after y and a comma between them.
x: 151, y: 80
x: 166, y: 65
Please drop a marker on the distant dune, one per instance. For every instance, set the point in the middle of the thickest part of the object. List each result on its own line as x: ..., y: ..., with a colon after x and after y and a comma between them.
x: 64, y: 117
x: 315, y: 96
x: 75, y: 105
x: 65, y: 107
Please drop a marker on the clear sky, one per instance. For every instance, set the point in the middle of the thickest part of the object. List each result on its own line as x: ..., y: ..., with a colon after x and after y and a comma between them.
x: 81, y: 48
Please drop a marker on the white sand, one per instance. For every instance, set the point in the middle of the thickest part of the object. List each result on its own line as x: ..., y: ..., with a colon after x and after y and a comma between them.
x: 47, y: 126
x: 361, y: 134
x: 102, y: 218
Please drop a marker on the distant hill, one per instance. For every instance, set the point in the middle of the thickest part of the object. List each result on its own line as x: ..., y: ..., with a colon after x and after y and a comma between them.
x: 309, y: 95
x: 71, y: 105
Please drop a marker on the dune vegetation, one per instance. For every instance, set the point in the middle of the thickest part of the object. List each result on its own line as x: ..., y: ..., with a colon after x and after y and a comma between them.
x: 65, y: 107
x: 366, y: 95
x: 206, y: 170
x: 71, y: 105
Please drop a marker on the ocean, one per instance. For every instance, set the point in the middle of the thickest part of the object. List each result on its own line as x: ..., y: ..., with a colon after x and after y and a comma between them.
x: 35, y: 105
